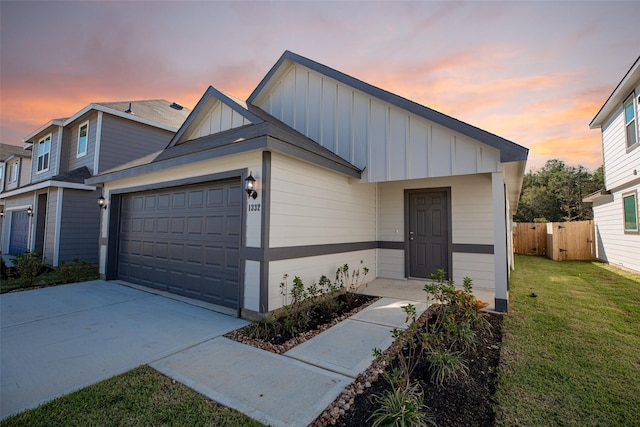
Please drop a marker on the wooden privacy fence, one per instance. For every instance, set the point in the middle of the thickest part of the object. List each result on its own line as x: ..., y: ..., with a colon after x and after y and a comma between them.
x: 560, y: 241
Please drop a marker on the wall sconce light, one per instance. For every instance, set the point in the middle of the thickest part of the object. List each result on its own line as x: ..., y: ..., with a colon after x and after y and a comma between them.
x: 1, y: 214
x: 250, y: 186
x: 102, y: 202
x: 29, y: 211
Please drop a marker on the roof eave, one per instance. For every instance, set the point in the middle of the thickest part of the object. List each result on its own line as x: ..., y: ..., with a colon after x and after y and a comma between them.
x: 617, y: 97
x: 509, y: 150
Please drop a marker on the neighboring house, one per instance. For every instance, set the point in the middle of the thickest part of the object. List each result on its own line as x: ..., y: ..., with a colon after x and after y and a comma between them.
x: 344, y: 172
x: 615, y: 208
x: 15, y: 170
x: 52, y: 211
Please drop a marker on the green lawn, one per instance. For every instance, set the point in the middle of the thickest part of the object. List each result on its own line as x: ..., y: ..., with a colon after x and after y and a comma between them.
x: 141, y: 397
x: 571, y: 356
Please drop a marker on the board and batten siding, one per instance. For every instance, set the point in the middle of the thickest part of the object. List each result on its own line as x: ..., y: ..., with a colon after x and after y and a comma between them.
x: 388, y: 142
x: 310, y: 269
x: 56, y: 141
x: 613, y: 244
x: 619, y: 163
x: 79, y: 229
x: 215, y: 117
x: 471, y: 217
x: 123, y: 140
x: 71, y: 144
x: 314, y: 206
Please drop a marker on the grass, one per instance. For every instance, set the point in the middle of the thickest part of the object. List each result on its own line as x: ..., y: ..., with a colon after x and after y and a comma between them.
x: 570, y: 356
x: 141, y: 397
x: 67, y: 273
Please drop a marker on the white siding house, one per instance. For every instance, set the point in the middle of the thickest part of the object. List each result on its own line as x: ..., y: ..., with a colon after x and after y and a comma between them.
x: 615, y: 208
x: 345, y: 173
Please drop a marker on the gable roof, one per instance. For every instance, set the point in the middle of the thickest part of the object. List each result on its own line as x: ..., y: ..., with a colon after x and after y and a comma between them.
x: 7, y: 151
x: 619, y: 94
x: 509, y: 151
x: 268, y: 133
x: 232, y: 102
x: 159, y: 113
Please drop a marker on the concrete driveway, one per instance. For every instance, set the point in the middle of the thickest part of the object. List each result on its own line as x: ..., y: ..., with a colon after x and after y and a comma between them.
x: 60, y: 339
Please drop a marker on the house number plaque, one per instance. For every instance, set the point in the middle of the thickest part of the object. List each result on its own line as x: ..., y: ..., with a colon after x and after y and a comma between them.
x: 254, y: 207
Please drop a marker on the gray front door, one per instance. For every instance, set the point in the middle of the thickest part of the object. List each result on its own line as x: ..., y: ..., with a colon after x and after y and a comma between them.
x: 184, y: 240
x: 428, y: 227
x: 19, y: 237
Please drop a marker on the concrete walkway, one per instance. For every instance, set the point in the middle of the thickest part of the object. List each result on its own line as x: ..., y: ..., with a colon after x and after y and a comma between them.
x: 294, y: 388
x: 57, y: 340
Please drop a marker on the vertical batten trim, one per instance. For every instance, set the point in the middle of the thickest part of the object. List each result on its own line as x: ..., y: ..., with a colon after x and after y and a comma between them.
x: 56, y: 243
x: 58, y: 153
x: 407, y: 145
x: 499, y: 238
x: 96, y: 154
x: 265, y: 225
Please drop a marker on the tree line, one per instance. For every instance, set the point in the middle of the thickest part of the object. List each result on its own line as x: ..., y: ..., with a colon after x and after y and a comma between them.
x: 554, y: 193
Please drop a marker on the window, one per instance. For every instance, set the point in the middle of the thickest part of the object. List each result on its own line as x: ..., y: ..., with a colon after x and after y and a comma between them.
x: 630, y: 121
x: 83, y: 132
x: 44, y: 148
x: 630, y: 206
x: 14, y: 171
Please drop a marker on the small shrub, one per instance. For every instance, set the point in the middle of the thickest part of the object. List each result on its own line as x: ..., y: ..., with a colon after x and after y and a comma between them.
x: 74, y: 271
x: 264, y: 328
x: 400, y: 406
x: 350, y: 280
x: 28, y: 266
x: 457, y: 315
x: 447, y: 366
x: 4, y: 273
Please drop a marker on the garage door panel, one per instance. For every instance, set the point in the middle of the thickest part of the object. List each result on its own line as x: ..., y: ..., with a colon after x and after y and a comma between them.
x: 184, y: 240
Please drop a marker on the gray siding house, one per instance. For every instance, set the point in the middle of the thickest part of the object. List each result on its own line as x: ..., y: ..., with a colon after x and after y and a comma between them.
x: 15, y: 170
x: 52, y: 211
x: 344, y: 172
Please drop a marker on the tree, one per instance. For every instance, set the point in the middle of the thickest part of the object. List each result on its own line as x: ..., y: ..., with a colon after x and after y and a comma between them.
x: 555, y: 192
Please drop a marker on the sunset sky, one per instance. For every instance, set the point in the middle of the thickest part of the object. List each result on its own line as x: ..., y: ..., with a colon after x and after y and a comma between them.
x: 535, y: 73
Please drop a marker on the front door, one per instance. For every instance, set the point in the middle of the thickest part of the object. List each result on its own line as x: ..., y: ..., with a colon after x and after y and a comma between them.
x: 428, y: 232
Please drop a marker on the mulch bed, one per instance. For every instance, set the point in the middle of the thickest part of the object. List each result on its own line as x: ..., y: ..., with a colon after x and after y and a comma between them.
x: 467, y: 403
x: 350, y: 304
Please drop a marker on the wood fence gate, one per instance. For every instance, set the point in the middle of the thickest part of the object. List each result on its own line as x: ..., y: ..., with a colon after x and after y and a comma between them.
x: 560, y: 241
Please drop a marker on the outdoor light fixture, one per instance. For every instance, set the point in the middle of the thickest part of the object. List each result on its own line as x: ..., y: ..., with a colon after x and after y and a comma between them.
x: 250, y: 186
x: 1, y: 214
x: 29, y: 211
x: 102, y: 202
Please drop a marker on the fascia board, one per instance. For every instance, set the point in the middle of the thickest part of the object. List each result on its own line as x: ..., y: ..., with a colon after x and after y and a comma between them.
x: 615, y: 100
x: 117, y: 113
x: 42, y: 129
x: 212, y: 92
x: 509, y: 150
x: 45, y: 184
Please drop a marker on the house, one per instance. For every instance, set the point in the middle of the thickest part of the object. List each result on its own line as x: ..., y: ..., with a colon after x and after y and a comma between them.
x: 615, y: 208
x: 316, y: 169
x: 15, y: 170
x: 50, y: 210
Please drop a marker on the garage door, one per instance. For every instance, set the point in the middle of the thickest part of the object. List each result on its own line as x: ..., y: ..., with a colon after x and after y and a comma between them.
x: 183, y: 240
x: 19, y: 237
